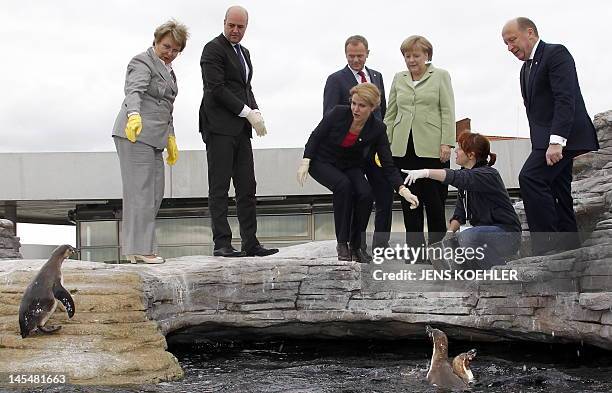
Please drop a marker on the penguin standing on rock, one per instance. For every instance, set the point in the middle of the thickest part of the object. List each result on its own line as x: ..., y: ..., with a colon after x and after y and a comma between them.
x: 39, y: 299
x: 440, y: 372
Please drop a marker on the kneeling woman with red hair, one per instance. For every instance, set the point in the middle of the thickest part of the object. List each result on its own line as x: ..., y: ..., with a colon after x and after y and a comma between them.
x: 482, y: 200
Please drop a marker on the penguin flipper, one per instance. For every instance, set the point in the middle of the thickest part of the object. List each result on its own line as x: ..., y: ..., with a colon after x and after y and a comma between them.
x: 63, y: 296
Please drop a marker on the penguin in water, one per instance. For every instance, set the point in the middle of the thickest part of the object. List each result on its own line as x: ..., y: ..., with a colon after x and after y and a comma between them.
x: 440, y: 372
x: 39, y: 299
x: 461, y: 366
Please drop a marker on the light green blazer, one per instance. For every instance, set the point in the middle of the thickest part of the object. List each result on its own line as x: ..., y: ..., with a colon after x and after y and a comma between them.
x: 427, y: 109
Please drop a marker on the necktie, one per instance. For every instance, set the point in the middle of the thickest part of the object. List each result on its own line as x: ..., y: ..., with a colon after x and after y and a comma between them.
x: 173, y: 75
x: 362, y: 75
x: 526, y: 75
x: 241, y: 59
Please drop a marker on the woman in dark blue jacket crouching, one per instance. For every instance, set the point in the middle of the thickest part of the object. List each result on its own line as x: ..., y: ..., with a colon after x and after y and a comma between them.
x: 482, y: 200
x: 335, y: 155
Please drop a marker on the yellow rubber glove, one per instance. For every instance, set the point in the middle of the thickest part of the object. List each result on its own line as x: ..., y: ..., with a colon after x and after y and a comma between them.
x: 133, y: 127
x: 172, y: 150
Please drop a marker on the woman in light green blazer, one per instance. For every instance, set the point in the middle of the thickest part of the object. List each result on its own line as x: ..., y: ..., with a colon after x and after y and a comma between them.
x: 420, y: 123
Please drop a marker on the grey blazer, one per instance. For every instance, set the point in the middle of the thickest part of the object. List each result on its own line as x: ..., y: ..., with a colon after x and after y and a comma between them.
x: 149, y: 90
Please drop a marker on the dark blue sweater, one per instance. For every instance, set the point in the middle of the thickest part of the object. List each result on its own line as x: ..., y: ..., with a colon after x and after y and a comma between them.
x: 483, y: 198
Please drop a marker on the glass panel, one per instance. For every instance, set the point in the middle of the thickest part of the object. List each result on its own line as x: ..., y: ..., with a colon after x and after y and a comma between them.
x: 324, y: 226
x: 279, y: 244
x: 173, y: 252
x: 193, y: 230
x: 99, y: 233
x: 283, y: 226
x: 234, y: 227
x: 100, y: 254
x: 397, y: 222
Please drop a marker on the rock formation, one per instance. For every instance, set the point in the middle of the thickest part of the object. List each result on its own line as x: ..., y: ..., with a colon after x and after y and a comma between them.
x: 9, y: 243
x: 123, y: 311
x: 109, y: 340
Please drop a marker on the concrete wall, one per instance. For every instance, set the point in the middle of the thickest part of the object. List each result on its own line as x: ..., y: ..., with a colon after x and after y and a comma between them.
x: 83, y: 176
x: 36, y: 251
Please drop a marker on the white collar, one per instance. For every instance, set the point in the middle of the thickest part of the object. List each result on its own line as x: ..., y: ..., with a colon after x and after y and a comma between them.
x: 355, y: 73
x: 533, y: 51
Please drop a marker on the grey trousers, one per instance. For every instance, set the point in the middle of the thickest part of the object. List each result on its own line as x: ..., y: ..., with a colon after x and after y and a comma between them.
x: 142, y: 176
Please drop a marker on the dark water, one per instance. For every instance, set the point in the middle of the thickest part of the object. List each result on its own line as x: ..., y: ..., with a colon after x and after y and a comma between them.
x: 361, y: 366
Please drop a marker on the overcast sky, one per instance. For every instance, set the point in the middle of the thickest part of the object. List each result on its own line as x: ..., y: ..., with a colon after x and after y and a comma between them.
x: 64, y: 61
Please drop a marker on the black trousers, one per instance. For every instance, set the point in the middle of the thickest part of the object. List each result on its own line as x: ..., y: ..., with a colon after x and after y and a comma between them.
x: 383, y: 203
x: 432, y: 199
x: 547, y: 197
x: 231, y: 158
x: 352, y: 200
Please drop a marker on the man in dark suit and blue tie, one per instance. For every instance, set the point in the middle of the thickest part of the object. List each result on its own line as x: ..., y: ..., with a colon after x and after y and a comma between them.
x: 228, y: 114
x: 560, y: 129
x: 336, y: 92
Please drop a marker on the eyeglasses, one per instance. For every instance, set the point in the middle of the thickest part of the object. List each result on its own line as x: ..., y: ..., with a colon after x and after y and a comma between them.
x: 168, y: 48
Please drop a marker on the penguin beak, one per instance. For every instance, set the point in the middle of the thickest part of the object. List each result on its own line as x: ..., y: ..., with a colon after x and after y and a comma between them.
x: 70, y: 252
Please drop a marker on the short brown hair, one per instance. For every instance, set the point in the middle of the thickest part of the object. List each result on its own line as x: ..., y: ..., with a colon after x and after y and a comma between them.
x: 177, y: 30
x: 471, y: 142
x: 355, y: 40
x: 368, y: 92
x: 417, y: 41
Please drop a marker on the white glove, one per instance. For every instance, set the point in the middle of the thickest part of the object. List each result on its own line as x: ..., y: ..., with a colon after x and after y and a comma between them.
x: 415, y: 174
x: 302, y: 173
x: 254, y: 117
x: 410, y: 197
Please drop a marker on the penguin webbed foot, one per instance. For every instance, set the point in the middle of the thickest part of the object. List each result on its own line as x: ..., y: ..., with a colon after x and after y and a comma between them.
x: 49, y: 329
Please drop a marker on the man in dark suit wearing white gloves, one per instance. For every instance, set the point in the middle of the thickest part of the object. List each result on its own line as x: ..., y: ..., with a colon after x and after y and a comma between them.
x: 227, y: 115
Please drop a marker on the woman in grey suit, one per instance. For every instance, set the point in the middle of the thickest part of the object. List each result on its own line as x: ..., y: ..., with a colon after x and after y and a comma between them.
x: 142, y: 130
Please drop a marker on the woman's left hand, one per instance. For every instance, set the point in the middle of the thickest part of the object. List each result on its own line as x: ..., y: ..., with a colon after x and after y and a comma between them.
x: 408, y: 196
x: 445, y: 152
x: 172, y: 150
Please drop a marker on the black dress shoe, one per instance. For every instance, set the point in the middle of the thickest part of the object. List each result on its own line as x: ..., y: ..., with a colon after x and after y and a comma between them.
x: 344, y: 254
x: 260, y: 251
x: 360, y: 255
x: 228, y: 252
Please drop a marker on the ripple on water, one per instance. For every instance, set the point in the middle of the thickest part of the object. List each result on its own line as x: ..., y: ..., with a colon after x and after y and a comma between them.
x: 363, y: 366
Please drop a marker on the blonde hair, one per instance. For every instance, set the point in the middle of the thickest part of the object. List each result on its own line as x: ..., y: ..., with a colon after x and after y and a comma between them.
x: 417, y: 41
x: 367, y: 92
x: 177, y: 30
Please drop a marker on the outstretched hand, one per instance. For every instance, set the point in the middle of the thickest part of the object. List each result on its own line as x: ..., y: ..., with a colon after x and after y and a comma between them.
x: 414, y: 175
